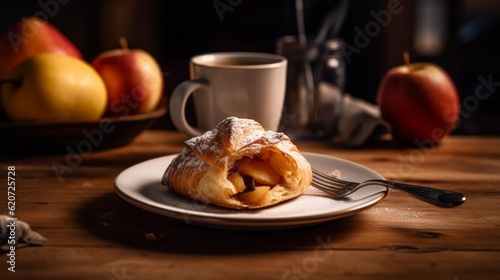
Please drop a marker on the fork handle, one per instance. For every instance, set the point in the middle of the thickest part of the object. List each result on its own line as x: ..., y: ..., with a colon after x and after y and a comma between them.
x: 439, y: 197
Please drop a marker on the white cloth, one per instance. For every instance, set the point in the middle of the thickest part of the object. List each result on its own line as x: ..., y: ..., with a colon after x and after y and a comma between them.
x: 358, y: 120
x: 16, y: 230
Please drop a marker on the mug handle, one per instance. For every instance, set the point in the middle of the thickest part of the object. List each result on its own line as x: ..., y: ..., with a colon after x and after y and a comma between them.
x: 178, y: 102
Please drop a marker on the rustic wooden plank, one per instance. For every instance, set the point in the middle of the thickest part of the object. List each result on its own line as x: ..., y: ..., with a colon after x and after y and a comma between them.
x: 109, y: 263
x: 93, y: 234
x: 101, y: 212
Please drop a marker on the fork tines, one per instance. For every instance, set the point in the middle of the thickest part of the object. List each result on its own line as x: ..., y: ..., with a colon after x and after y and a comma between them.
x: 323, y: 180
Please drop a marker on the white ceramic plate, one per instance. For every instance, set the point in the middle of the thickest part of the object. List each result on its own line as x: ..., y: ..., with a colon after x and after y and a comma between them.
x: 140, y: 185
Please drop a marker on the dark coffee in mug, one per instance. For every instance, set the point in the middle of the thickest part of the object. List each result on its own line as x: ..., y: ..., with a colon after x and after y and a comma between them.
x: 237, y: 62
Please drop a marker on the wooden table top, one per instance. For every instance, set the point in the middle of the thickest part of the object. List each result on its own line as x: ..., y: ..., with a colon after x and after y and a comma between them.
x: 94, y: 234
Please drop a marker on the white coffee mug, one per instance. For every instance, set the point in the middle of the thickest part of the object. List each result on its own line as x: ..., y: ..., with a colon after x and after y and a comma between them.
x: 241, y: 84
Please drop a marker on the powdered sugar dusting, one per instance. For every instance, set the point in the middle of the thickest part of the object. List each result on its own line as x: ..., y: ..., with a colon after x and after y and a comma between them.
x: 232, y: 134
x: 192, y: 163
x: 265, y: 136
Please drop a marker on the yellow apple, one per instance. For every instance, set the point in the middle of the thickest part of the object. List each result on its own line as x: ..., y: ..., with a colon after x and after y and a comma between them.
x: 28, y: 37
x: 54, y: 87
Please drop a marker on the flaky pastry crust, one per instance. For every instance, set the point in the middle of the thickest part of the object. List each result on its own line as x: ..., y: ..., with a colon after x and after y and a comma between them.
x: 201, y: 170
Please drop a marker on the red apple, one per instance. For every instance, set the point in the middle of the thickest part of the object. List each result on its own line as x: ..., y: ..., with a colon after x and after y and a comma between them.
x: 133, y: 79
x: 32, y: 36
x: 420, y: 100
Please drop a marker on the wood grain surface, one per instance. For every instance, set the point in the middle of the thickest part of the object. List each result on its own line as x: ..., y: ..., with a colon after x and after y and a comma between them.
x: 94, y: 234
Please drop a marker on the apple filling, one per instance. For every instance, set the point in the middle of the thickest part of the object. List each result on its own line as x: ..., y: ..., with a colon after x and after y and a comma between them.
x: 253, y: 178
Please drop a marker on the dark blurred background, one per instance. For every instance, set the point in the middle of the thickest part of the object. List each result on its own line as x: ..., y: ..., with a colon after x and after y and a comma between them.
x: 461, y: 36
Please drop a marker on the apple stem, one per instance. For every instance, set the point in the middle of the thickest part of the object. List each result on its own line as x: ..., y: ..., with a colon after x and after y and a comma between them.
x: 124, y: 44
x: 15, y: 83
x: 406, y: 58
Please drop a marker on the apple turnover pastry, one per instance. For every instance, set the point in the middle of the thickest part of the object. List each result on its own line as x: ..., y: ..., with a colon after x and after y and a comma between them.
x: 239, y: 165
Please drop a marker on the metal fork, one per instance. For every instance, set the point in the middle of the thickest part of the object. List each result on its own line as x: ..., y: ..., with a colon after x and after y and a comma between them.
x: 340, y: 188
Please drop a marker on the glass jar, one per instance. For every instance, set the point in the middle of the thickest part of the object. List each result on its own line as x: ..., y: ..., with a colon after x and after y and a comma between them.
x: 314, y: 88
